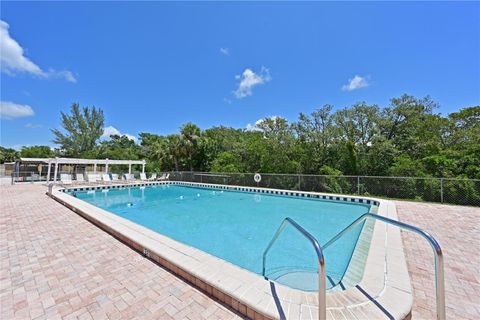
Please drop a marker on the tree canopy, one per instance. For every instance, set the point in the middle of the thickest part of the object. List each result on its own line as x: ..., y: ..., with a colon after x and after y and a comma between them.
x: 404, y: 138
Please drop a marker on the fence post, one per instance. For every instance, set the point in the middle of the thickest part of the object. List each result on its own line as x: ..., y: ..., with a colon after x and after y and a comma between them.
x: 441, y: 190
x: 358, y: 185
x: 299, y: 183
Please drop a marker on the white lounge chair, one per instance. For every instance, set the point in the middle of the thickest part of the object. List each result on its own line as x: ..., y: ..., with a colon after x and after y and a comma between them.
x: 92, y: 178
x: 117, y: 179
x: 153, y: 177
x: 129, y: 177
x: 79, y: 178
x: 106, y: 178
x: 143, y: 177
x: 162, y: 177
x: 66, y: 178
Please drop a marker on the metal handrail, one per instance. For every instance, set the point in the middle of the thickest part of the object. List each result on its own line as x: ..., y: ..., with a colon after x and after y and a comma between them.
x: 439, y: 271
x: 322, y: 286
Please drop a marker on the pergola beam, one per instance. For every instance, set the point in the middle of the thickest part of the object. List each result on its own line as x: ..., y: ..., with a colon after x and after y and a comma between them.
x: 83, y: 161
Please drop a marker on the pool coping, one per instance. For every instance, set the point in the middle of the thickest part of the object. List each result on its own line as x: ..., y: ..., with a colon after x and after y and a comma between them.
x: 383, y: 292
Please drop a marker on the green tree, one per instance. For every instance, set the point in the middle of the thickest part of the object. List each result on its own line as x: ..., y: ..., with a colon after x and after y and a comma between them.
x: 314, y: 134
x: 82, y: 130
x: 173, y: 151
x: 8, y: 154
x: 227, y: 162
x: 37, y: 152
x: 119, y: 147
x: 190, y: 139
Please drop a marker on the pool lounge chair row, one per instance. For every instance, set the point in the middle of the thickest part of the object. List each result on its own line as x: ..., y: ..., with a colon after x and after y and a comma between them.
x: 106, y: 178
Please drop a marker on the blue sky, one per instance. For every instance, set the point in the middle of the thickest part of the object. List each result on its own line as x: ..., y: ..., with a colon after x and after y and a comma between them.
x: 152, y: 66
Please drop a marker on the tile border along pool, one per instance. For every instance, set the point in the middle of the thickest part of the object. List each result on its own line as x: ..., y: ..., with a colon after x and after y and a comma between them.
x: 384, y: 291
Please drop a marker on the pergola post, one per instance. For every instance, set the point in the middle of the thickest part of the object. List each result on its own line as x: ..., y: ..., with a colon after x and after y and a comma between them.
x: 106, y: 165
x: 95, y: 168
x: 143, y: 166
x: 49, y: 170
x: 56, y: 170
x: 129, y: 168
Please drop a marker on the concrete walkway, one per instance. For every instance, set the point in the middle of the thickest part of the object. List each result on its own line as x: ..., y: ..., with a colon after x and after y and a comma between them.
x: 57, y: 265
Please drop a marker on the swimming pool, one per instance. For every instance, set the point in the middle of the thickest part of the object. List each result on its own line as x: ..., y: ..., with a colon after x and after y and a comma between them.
x: 237, y: 226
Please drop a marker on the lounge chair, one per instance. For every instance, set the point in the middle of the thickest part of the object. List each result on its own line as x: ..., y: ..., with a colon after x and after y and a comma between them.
x: 143, y: 177
x: 79, y: 178
x: 106, y: 178
x: 129, y: 177
x: 153, y: 177
x: 92, y: 178
x: 66, y: 178
x: 117, y: 179
x: 162, y: 177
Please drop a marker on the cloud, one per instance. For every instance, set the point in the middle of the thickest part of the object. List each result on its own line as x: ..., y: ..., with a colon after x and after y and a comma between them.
x: 249, y: 79
x: 10, y: 110
x: 355, y: 83
x: 255, y: 127
x: 65, y: 74
x: 110, y: 131
x: 33, y: 126
x: 13, y: 60
x: 251, y: 127
x: 225, y: 51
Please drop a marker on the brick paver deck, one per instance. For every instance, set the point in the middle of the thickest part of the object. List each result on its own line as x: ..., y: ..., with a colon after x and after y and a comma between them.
x: 457, y: 229
x: 55, y: 264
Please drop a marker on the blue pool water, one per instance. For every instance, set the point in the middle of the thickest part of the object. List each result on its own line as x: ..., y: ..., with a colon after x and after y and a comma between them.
x: 237, y: 226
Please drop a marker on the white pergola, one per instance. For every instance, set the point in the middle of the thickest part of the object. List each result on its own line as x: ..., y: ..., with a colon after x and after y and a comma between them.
x: 94, y: 162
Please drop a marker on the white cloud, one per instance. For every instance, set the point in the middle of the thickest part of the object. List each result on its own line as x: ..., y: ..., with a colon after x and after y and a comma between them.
x: 251, y: 127
x: 249, y: 79
x: 225, y: 51
x: 255, y: 127
x: 13, y: 60
x: 64, y: 74
x: 11, y: 110
x: 355, y: 83
x: 33, y: 125
x: 110, y: 131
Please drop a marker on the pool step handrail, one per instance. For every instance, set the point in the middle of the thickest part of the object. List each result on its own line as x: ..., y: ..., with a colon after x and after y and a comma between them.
x: 439, y: 270
x: 322, y: 285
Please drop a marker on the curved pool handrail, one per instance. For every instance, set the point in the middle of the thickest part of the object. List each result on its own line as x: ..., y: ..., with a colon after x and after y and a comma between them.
x: 322, y: 286
x: 439, y: 270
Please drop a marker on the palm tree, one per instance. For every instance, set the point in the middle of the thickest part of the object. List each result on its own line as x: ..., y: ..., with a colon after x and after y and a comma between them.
x: 173, y: 150
x: 190, y: 135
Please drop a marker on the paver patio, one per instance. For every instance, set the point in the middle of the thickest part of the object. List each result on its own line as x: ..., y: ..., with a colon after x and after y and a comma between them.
x: 57, y: 265
x: 457, y: 229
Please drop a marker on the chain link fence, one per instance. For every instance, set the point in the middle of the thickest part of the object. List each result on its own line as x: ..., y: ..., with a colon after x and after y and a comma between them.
x: 442, y: 190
